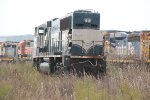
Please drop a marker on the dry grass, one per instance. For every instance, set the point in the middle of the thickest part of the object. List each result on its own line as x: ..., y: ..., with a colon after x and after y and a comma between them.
x: 23, y: 82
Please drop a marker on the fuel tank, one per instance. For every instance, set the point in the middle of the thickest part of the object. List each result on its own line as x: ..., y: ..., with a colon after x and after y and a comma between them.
x: 44, y: 67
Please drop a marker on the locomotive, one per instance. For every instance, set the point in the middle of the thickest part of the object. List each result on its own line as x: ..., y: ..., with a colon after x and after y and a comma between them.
x: 127, y: 47
x: 14, y: 51
x: 8, y: 51
x: 24, y: 50
x: 71, y: 43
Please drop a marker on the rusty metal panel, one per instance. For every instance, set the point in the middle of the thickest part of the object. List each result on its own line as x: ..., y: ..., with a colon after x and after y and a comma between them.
x: 145, y: 39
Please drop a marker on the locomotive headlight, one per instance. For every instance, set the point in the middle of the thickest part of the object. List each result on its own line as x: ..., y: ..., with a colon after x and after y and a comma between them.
x: 87, y: 20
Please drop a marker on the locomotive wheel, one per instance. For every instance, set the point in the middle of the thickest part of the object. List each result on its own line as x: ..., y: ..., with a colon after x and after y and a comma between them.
x: 56, y: 66
x: 102, y: 66
x: 81, y: 69
x: 59, y: 68
x: 52, y: 67
x: 37, y: 63
x: 100, y: 69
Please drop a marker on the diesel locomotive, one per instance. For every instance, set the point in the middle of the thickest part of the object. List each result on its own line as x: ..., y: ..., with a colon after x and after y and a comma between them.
x: 71, y: 43
x: 8, y: 51
x: 16, y: 51
x: 24, y: 50
x: 127, y: 47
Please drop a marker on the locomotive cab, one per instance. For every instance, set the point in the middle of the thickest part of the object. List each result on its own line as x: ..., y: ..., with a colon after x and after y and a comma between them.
x: 41, y: 31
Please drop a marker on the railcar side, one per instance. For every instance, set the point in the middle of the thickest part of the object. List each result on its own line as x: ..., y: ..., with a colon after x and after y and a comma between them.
x: 132, y: 48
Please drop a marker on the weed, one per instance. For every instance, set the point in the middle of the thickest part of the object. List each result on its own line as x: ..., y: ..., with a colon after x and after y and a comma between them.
x: 126, y: 82
x: 6, y: 91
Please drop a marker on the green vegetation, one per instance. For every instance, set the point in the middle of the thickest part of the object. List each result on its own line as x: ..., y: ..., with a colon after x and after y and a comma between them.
x: 6, y: 91
x: 125, y: 92
x: 124, y: 82
x: 29, y: 74
x: 86, y: 90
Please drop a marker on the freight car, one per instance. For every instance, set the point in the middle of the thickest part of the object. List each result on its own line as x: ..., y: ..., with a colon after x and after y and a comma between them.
x: 145, y: 45
x: 127, y: 47
x: 70, y: 43
x: 24, y: 50
x: 8, y: 51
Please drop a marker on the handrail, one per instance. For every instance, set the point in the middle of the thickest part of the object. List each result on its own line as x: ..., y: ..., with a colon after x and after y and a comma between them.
x: 60, y: 46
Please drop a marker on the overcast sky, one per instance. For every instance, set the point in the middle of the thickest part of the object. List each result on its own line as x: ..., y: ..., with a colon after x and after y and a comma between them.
x: 18, y: 17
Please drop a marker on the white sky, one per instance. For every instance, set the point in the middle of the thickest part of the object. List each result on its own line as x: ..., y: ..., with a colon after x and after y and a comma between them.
x: 18, y: 17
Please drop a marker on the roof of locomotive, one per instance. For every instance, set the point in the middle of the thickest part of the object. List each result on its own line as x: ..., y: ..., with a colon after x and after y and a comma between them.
x: 85, y: 11
x: 106, y: 32
x: 21, y: 43
x: 24, y: 41
x: 112, y: 31
x: 134, y: 34
x: 80, y: 11
x: 145, y: 30
x: 42, y: 26
x: 8, y: 43
x: 48, y: 23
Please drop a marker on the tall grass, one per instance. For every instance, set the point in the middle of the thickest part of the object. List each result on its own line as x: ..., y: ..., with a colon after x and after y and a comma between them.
x: 23, y: 82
